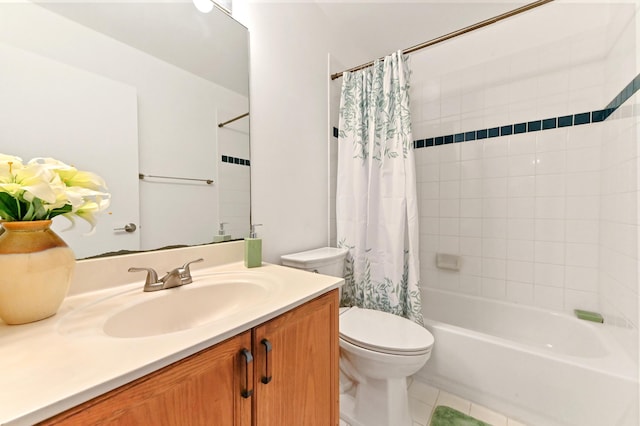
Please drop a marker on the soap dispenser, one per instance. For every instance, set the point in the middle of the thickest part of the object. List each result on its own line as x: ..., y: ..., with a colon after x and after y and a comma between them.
x: 222, y: 236
x: 253, y: 248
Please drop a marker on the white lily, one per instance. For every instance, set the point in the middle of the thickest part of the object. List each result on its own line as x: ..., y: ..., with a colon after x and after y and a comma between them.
x: 88, y: 208
x: 72, y: 176
x: 39, y: 183
x: 6, y: 164
x: 45, y: 187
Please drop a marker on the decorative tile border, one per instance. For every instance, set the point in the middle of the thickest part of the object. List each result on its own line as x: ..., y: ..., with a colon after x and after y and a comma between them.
x: 537, y: 125
x: 533, y: 126
x: 624, y: 95
x: 235, y: 160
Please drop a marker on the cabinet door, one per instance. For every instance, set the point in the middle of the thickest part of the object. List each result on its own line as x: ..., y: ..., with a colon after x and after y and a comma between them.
x: 204, y: 389
x: 298, y: 351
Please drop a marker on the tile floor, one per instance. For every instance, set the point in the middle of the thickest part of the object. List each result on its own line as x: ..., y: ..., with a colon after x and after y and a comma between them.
x: 423, y: 398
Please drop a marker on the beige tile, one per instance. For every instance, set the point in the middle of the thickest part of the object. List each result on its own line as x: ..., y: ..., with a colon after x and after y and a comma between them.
x: 343, y: 423
x: 423, y: 392
x: 453, y: 401
x: 420, y: 411
x: 512, y: 422
x: 488, y: 416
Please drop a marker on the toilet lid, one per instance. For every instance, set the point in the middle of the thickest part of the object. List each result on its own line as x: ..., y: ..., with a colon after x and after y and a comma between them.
x: 384, y: 332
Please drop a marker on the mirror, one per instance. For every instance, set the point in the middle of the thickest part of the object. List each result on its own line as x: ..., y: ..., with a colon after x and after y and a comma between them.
x: 133, y: 91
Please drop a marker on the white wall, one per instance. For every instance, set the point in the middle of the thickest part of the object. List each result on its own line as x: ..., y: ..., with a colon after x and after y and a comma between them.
x: 289, y: 132
x: 335, y: 88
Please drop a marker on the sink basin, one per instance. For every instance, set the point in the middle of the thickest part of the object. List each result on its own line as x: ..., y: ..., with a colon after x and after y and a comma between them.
x: 210, y: 298
x: 183, y: 308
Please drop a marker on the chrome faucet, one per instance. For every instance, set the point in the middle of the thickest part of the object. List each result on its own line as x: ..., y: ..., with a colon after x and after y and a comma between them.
x: 174, y: 278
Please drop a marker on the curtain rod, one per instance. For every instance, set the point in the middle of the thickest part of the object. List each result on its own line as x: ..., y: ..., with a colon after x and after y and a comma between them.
x: 233, y: 119
x: 453, y: 34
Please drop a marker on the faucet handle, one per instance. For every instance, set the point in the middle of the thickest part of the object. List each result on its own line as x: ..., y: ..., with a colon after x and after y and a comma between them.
x: 185, y: 273
x: 173, y: 278
x: 152, y: 278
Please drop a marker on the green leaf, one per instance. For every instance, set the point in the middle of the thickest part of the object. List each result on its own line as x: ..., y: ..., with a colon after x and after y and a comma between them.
x: 30, y: 213
x: 62, y: 210
x: 9, y: 206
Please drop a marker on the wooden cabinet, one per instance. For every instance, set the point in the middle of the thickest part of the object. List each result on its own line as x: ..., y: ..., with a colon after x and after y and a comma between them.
x: 296, y: 354
x: 228, y: 383
x: 202, y: 389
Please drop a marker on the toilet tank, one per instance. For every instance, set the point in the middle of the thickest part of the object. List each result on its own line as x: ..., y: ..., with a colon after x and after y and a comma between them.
x: 324, y: 260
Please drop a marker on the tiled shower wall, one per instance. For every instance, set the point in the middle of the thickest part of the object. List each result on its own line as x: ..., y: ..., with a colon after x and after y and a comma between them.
x: 618, y: 244
x: 523, y: 205
x: 619, y: 219
x: 234, y: 170
x: 521, y: 209
x: 546, y: 217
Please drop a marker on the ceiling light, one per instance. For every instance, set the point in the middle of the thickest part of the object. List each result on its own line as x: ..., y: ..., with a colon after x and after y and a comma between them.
x: 204, y: 6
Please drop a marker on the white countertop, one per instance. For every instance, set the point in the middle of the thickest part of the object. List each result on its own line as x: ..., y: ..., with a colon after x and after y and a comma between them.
x: 52, y: 365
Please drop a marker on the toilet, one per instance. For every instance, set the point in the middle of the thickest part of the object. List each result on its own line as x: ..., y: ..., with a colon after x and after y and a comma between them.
x: 378, y: 351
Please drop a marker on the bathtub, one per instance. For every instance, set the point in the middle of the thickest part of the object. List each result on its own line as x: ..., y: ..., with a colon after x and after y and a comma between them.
x: 539, y: 367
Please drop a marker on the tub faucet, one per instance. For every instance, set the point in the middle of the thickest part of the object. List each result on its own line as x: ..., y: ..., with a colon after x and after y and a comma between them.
x: 174, y: 278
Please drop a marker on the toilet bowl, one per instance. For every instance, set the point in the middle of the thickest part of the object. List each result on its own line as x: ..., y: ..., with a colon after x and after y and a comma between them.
x: 378, y: 351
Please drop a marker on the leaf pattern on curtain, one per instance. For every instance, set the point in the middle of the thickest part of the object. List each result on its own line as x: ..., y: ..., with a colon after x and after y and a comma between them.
x: 376, y: 203
x: 367, y: 102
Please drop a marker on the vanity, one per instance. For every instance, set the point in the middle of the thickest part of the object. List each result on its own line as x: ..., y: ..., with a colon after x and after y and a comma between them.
x: 267, y: 354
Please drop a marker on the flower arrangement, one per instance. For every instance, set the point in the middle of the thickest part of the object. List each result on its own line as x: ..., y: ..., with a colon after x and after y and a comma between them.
x: 45, y: 188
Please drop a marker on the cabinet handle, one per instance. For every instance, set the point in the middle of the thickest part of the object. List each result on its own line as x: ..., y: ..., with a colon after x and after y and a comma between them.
x: 246, y: 392
x: 267, y: 348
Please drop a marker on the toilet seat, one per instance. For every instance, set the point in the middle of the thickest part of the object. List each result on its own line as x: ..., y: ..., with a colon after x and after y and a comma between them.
x: 384, y: 332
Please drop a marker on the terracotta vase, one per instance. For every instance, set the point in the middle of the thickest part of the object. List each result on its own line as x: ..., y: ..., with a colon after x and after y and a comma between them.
x: 36, y: 267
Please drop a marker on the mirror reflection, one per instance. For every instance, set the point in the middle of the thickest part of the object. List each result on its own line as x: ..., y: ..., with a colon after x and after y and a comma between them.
x: 134, y: 92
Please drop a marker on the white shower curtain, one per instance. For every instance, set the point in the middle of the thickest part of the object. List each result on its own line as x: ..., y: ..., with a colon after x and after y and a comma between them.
x: 376, y: 203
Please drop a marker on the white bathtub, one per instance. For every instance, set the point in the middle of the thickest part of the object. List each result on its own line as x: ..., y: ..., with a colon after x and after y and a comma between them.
x: 537, y: 366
